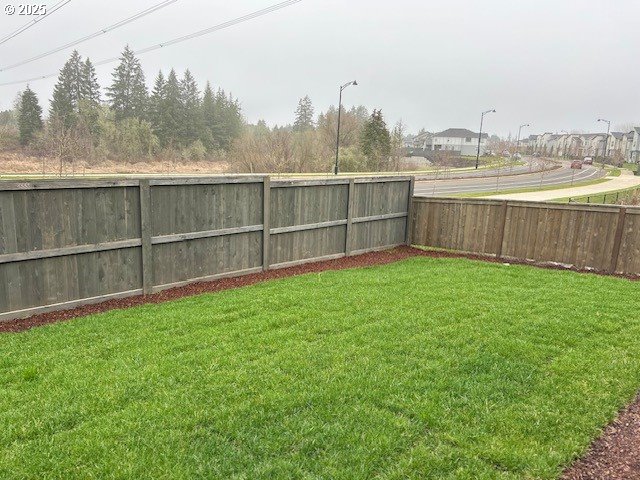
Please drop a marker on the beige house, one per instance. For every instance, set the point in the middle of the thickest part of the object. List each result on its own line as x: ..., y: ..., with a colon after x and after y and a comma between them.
x: 620, y: 146
x: 633, y: 146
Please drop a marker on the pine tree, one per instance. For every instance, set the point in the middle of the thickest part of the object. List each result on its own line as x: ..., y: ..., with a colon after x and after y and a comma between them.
x: 128, y: 96
x: 218, y: 126
x: 29, y: 116
x: 172, y: 113
x: 67, y: 92
x: 208, y: 109
x: 155, y: 102
x: 304, y: 115
x: 192, y: 123
x: 89, y: 87
x: 376, y: 141
x: 228, y: 121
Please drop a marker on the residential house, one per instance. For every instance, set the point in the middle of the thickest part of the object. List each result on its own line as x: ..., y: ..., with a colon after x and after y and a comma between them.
x: 633, y: 146
x: 422, y: 141
x: 617, y: 145
x: 620, y: 146
x: 460, y: 141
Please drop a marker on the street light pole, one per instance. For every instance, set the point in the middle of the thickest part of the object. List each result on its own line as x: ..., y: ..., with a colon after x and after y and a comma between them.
x: 606, y: 140
x: 480, y: 135
x: 342, y: 87
x: 518, y: 142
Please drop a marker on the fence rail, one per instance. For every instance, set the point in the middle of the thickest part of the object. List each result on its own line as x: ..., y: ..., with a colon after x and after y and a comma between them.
x: 600, y: 237
x: 65, y: 243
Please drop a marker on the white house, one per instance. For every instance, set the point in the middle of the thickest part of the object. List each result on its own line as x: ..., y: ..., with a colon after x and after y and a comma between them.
x: 459, y: 140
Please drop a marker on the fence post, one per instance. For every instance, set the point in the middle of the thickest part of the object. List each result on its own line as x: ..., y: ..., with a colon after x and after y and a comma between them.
x: 266, y: 221
x: 350, y: 202
x: 501, y: 226
x: 409, y: 226
x: 617, y: 241
x: 145, y: 235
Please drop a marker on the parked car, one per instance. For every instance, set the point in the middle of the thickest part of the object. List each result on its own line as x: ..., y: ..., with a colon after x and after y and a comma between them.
x: 587, y: 161
x: 506, y: 154
x: 517, y: 156
x: 576, y: 164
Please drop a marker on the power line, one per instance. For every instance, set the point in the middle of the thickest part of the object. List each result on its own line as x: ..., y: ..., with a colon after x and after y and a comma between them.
x: 27, y: 26
x: 102, y: 31
x: 215, y: 28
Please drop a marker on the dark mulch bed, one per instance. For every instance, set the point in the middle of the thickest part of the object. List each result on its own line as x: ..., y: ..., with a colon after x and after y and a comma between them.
x: 373, y: 258
x: 366, y: 259
x: 615, y: 455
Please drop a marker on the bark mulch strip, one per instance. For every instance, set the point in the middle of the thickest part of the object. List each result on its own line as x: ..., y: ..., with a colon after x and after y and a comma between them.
x: 364, y: 260
x: 367, y: 259
x: 615, y: 455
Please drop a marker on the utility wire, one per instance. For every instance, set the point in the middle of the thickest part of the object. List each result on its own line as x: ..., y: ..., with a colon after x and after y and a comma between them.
x: 215, y: 28
x: 102, y: 31
x: 27, y: 26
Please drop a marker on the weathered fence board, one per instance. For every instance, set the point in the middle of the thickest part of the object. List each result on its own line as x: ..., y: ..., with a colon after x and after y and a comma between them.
x: 67, y: 243
x: 599, y: 237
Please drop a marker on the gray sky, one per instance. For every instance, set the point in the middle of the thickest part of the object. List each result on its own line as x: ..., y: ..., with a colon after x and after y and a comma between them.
x: 556, y: 64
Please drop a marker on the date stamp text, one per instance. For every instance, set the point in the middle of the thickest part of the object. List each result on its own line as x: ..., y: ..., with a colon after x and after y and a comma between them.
x: 26, y: 9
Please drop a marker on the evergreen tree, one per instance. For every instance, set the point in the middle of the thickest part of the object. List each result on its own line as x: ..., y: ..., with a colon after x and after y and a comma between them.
x: 155, y: 102
x: 89, y: 87
x: 192, y: 123
x: 228, y: 119
x: 67, y: 91
x: 29, y: 116
x: 208, y: 109
x: 218, y: 126
x: 376, y: 141
x: 172, y: 113
x: 304, y: 115
x: 128, y: 94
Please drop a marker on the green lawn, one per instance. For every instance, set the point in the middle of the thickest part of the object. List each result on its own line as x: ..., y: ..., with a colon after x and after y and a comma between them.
x: 613, y: 197
x: 561, y: 186
x: 425, y: 368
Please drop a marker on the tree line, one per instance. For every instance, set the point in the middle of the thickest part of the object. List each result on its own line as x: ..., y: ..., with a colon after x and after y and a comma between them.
x: 175, y: 120
x: 308, y: 145
x: 131, y: 122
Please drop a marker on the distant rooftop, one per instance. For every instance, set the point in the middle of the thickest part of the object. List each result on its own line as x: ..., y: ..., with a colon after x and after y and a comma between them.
x: 459, y: 133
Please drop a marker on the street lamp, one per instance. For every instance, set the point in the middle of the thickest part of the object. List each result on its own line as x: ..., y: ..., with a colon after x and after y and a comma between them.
x: 606, y: 140
x: 518, y: 144
x: 519, y: 131
x: 342, y: 87
x: 480, y: 135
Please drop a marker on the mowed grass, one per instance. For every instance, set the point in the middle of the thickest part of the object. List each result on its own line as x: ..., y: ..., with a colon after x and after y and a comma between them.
x: 426, y: 368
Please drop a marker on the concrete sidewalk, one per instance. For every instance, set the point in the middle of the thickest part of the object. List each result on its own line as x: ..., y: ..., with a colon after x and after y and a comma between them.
x: 626, y: 180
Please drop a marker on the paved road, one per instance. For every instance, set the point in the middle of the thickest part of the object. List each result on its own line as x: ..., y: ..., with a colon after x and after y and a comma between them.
x: 626, y: 180
x: 559, y: 176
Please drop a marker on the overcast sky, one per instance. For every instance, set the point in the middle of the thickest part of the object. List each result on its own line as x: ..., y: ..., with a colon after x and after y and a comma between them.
x: 556, y: 64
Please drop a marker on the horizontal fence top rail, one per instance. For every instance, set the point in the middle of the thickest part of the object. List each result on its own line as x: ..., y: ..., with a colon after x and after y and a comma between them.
x: 180, y: 179
x: 7, y: 185
x: 592, y: 207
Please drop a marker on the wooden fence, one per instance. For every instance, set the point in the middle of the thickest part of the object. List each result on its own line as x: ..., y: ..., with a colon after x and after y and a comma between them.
x: 68, y: 243
x: 600, y: 237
